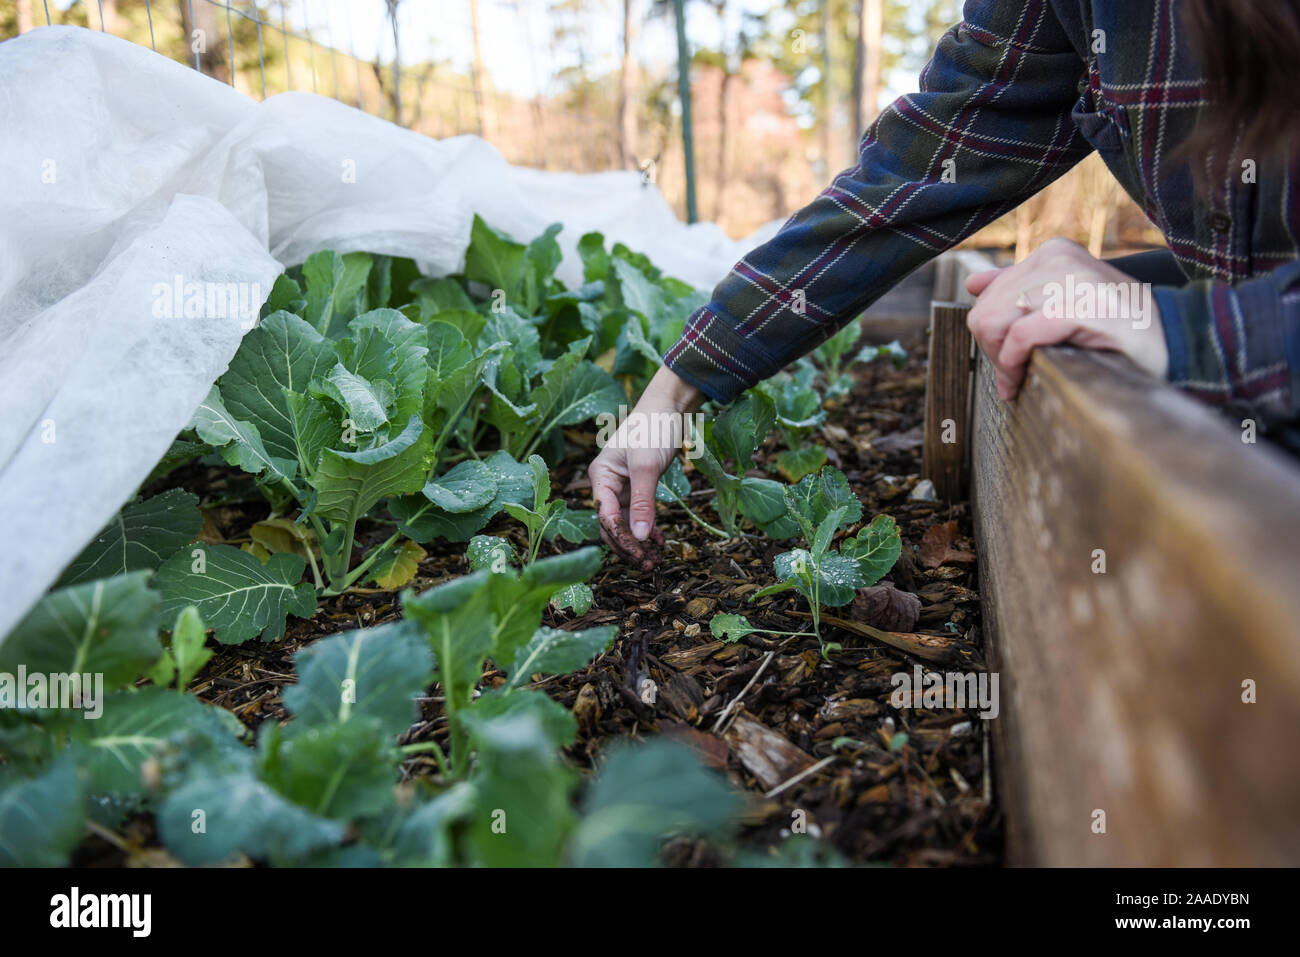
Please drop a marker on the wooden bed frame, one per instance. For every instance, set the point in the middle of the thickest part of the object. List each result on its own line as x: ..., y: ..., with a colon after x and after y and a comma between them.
x: 1140, y: 576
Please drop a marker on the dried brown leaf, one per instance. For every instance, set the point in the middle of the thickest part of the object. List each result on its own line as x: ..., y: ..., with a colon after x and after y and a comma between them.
x: 938, y: 547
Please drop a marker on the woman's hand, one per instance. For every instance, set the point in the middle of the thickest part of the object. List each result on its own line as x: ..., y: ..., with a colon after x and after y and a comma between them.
x: 1060, y: 293
x: 625, y: 473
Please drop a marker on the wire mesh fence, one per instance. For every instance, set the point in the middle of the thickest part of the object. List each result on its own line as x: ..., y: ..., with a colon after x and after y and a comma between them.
x: 591, y: 85
x: 548, y: 82
x: 575, y: 85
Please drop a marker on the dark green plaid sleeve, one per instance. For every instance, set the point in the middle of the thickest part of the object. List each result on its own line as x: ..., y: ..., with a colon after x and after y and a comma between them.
x: 1237, y: 345
x: 990, y: 127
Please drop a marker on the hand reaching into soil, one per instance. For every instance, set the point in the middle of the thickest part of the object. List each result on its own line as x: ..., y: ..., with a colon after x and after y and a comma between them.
x: 625, y: 473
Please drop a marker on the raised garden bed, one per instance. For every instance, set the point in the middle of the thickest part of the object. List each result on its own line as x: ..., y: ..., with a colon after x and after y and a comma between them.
x: 315, y: 556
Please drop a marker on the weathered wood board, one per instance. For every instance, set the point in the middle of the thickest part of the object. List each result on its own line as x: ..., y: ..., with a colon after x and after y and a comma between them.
x: 1139, y: 567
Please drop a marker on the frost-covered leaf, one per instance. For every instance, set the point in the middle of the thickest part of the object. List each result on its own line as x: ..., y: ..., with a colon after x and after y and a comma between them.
x: 579, y: 598
x: 839, y: 578
x: 236, y: 594
x: 572, y: 525
x: 141, y: 536
x: 490, y: 552
x: 831, y: 580
x: 462, y: 488
x: 555, y: 651
x: 673, y: 484
x: 730, y: 627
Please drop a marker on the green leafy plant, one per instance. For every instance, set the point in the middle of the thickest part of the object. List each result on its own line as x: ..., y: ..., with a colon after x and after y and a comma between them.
x: 375, y: 405
x: 833, y: 358
x: 731, y: 628
x: 323, y: 787
x: 798, y: 410
x: 548, y: 520
x: 822, y: 505
x: 339, y: 410
x: 545, y: 521
x: 724, y: 454
x: 186, y: 655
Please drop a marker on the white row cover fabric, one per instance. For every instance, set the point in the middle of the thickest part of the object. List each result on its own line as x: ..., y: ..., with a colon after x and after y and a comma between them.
x: 126, y: 172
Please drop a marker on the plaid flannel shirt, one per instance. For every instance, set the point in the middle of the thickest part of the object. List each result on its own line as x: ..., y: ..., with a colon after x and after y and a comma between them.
x: 1016, y: 94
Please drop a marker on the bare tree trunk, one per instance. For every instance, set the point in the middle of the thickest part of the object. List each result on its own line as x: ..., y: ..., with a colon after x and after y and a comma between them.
x: 205, y: 39
x: 486, y: 119
x: 627, y: 94
x: 397, y: 63
x: 828, y: 99
x: 724, y: 88
x: 24, y: 16
x: 866, y: 80
x: 720, y: 176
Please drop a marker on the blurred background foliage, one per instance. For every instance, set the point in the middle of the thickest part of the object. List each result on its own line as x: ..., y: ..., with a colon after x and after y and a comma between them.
x: 781, y: 90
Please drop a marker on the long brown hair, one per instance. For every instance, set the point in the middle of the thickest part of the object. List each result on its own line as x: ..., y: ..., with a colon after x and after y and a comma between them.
x: 1250, y: 51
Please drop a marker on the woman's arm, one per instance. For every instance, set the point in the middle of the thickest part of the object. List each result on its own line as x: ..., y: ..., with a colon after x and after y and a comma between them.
x: 1238, y: 345
x: 990, y: 127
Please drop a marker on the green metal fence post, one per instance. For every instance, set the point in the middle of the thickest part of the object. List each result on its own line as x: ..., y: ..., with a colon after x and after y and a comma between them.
x: 684, y: 92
